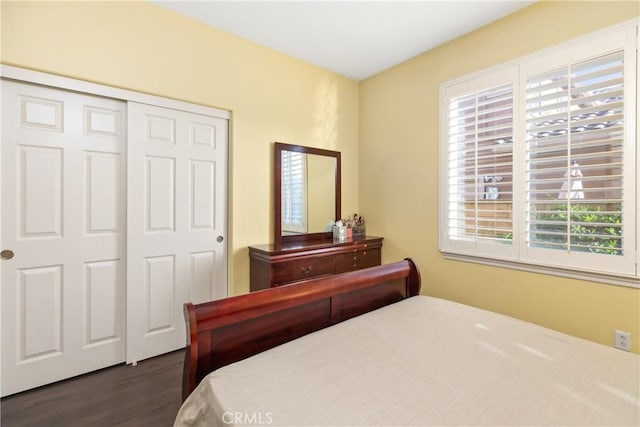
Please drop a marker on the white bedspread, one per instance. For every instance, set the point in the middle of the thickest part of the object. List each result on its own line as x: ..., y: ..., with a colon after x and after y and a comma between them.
x: 424, y: 361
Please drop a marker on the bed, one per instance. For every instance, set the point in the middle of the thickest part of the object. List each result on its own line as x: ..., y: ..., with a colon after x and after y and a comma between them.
x: 363, y: 348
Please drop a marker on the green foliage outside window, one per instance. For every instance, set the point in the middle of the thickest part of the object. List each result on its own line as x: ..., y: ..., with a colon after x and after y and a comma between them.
x: 591, y: 229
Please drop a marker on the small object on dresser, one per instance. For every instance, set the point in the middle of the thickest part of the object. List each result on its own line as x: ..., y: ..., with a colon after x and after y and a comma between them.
x: 357, y: 224
x: 339, y: 231
x: 359, y: 231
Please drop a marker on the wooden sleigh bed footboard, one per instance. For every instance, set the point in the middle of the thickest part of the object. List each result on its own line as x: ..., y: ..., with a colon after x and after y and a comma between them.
x: 228, y: 330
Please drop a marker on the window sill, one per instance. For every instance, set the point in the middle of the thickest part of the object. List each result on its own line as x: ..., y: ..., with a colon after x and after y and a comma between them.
x: 631, y: 282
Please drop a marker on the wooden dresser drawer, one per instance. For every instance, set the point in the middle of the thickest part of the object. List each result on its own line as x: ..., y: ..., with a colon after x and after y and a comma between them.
x: 302, y: 269
x: 274, y: 265
x: 357, y: 259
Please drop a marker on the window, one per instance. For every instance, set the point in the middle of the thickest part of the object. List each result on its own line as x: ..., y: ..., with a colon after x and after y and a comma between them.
x: 294, y: 193
x: 575, y: 157
x: 539, y: 160
x: 480, y: 165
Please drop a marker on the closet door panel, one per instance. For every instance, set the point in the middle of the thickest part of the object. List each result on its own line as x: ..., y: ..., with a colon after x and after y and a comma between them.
x: 104, y: 193
x: 62, y: 217
x: 176, y: 223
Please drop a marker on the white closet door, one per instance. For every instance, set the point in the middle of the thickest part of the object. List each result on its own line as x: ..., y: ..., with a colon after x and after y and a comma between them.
x: 63, y: 197
x: 176, y: 222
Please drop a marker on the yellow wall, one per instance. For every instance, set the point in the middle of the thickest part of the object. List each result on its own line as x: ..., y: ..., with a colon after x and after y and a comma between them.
x: 399, y: 175
x: 142, y: 47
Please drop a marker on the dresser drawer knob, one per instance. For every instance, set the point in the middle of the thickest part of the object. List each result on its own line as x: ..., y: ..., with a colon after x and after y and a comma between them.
x: 306, y: 269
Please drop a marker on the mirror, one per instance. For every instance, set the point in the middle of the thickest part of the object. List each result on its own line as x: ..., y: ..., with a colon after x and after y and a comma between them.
x: 307, y: 192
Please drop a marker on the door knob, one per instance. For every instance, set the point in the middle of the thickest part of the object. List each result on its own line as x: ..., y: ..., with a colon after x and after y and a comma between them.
x: 6, y: 254
x: 219, y: 239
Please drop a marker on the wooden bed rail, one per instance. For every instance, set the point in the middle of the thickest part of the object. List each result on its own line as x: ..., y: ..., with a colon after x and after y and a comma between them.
x: 228, y: 330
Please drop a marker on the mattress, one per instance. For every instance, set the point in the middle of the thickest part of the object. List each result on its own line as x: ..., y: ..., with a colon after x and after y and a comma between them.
x: 424, y: 361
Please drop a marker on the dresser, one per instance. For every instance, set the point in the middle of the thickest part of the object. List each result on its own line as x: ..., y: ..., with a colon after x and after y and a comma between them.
x: 274, y: 265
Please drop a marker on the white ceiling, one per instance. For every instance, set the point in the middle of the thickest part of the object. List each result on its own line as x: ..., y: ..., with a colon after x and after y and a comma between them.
x: 354, y: 38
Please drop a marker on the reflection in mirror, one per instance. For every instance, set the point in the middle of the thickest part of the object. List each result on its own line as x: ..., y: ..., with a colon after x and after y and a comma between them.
x: 307, y: 186
x: 308, y: 193
x: 294, y: 193
x: 321, y: 191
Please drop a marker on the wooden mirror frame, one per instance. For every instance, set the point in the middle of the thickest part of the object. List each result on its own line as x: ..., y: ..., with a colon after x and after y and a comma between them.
x: 279, y: 147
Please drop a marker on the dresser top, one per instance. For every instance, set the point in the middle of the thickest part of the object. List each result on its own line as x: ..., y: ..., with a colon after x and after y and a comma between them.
x: 292, y: 247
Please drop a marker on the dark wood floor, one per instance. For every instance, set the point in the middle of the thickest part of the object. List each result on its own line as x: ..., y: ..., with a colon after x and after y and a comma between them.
x: 144, y: 395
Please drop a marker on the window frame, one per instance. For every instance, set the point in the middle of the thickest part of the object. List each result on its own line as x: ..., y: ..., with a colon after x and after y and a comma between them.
x: 586, y: 266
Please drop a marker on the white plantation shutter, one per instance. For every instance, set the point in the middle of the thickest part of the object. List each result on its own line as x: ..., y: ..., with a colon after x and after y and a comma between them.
x: 575, y: 150
x: 480, y: 166
x: 539, y: 161
x: 294, y: 199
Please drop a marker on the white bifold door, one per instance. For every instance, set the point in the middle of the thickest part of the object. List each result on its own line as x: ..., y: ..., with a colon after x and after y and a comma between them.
x: 113, y: 214
x: 63, y: 234
x: 176, y: 222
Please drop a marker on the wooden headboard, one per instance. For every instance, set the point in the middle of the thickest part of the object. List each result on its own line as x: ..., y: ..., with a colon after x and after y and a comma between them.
x: 228, y: 330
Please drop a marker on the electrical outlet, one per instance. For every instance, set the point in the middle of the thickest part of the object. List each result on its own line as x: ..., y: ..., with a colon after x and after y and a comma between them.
x: 623, y: 340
